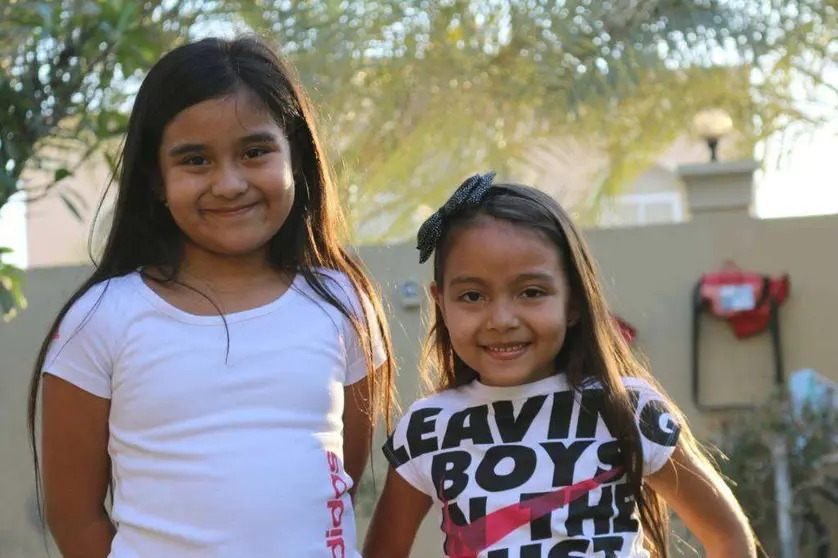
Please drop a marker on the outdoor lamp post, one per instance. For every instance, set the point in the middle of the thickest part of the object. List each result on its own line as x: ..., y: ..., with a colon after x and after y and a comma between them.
x: 711, y: 125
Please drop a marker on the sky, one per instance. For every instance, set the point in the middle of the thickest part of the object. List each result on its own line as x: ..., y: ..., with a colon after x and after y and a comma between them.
x: 13, y: 232
x: 804, y: 186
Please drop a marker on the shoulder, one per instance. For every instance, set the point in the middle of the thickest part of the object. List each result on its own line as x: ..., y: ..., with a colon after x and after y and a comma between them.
x: 84, y: 344
x: 638, y: 384
x: 103, y: 303
x: 449, y: 400
x: 428, y: 409
x: 337, y: 284
x: 430, y: 414
x: 343, y: 295
x: 637, y: 387
x: 420, y: 428
x: 644, y: 392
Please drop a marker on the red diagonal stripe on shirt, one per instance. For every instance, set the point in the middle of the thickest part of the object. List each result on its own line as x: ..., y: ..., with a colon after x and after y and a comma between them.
x: 467, y: 541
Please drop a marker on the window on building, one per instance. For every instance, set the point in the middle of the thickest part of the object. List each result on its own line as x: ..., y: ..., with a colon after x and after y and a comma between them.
x: 655, y: 208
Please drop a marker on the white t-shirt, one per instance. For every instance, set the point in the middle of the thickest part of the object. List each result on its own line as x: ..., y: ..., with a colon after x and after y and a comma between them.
x: 529, y: 471
x: 216, y: 455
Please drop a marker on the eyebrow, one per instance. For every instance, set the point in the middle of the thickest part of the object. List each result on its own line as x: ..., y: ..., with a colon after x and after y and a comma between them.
x: 465, y: 280
x: 536, y: 276
x: 186, y: 148
x: 530, y: 276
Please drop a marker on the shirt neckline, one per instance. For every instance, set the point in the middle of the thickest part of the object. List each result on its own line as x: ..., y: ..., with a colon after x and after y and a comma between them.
x: 556, y: 382
x: 183, y: 316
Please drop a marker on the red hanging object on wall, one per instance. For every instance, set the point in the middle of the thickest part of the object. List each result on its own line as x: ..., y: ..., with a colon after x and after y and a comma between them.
x: 749, y: 302
x: 628, y: 331
x: 743, y: 299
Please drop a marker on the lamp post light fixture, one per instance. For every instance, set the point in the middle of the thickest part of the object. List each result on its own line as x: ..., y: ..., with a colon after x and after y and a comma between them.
x: 711, y: 125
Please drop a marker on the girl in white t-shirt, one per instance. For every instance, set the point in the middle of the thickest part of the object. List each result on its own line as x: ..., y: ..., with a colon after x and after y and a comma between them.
x: 546, y: 438
x: 222, y: 368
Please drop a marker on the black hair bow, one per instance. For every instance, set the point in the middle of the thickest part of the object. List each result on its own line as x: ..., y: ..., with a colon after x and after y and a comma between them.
x: 471, y: 192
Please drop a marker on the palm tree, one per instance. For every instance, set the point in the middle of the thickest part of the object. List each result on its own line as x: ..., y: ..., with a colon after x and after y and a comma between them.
x: 417, y: 94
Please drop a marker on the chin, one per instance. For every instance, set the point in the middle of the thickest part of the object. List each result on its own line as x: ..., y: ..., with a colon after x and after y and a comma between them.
x: 234, y: 248
x: 505, y: 379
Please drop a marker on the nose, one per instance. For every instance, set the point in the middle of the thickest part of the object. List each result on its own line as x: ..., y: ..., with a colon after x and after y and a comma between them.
x: 229, y: 182
x: 503, y: 316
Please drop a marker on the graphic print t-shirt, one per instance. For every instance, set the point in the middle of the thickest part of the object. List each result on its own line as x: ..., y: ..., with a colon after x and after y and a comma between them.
x: 529, y: 471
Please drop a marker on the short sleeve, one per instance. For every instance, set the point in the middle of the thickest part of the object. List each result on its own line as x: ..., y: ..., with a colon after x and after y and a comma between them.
x: 395, y: 449
x: 81, y: 350
x: 356, y: 364
x: 659, y: 429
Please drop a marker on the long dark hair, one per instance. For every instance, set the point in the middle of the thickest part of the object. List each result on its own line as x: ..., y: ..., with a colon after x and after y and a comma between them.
x: 143, y: 233
x: 593, y: 350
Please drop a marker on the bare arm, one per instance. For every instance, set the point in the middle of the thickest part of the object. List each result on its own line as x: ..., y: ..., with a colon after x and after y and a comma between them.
x: 704, y: 502
x: 357, y: 430
x: 396, y: 519
x: 76, y: 469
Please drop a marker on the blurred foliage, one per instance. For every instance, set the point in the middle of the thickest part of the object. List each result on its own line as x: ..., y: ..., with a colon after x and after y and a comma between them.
x: 745, y: 442
x: 12, y: 299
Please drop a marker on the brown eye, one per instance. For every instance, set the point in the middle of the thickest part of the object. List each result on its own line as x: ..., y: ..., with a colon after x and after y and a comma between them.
x: 533, y: 293
x: 195, y: 161
x: 255, y: 152
x: 471, y: 296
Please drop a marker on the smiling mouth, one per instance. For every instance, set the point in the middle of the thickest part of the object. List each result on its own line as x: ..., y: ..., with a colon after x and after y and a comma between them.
x: 232, y: 211
x: 506, y: 351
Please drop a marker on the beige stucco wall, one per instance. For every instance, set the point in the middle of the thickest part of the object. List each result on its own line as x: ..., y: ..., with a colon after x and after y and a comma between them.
x: 649, y: 274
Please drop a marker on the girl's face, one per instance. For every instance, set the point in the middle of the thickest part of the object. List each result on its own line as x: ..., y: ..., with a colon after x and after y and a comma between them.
x: 504, y: 301
x: 226, y: 168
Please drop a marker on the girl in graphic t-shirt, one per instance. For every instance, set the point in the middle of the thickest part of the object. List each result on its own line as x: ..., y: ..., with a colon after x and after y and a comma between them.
x: 221, y: 368
x: 546, y: 438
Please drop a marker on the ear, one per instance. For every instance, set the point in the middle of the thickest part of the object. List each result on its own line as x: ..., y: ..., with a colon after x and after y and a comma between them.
x: 572, y: 315
x: 159, y: 190
x: 435, y: 292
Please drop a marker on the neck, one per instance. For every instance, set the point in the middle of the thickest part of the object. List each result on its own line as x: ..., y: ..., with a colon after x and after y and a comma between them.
x: 225, y: 273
